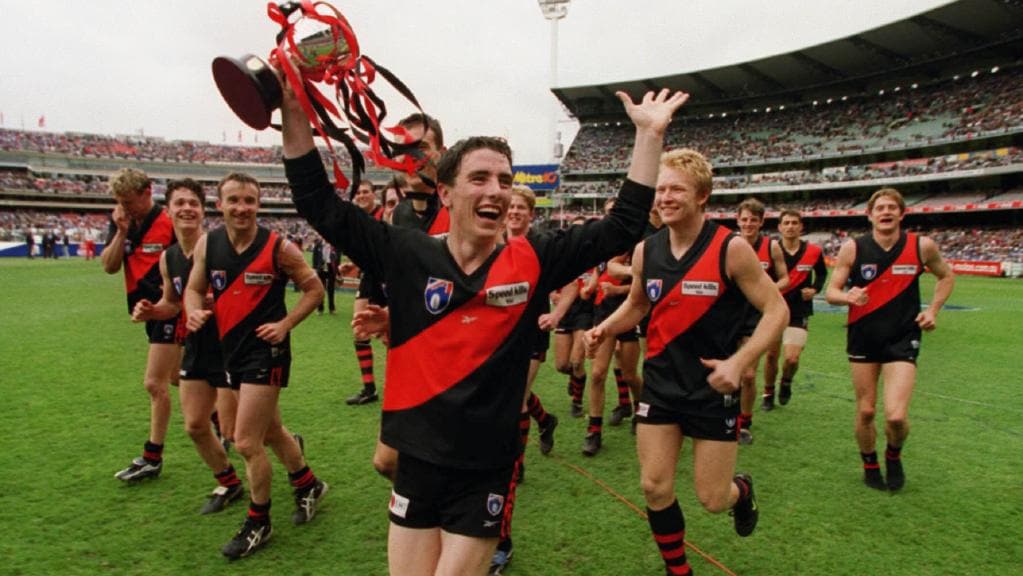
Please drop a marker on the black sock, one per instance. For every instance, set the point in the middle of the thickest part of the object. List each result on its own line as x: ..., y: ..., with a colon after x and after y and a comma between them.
x: 869, y: 460
x: 259, y: 512
x: 892, y: 453
x: 152, y: 453
x: 596, y: 424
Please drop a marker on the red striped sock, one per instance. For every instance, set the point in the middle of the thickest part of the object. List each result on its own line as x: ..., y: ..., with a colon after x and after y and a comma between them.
x: 623, y: 388
x: 364, y: 353
x: 524, y: 428
x: 669, y: 529
x: 536, y: 410
x: 302, y: 479
x: 228, y: 477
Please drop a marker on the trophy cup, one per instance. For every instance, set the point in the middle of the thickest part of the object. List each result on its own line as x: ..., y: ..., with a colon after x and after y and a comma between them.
x: 331, y: 57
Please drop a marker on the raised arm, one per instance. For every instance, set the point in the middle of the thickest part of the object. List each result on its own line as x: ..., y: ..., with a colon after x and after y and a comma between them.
x: 931, y: 256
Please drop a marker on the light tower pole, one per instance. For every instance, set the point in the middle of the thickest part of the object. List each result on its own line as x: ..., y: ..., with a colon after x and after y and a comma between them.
x: 554, y: 10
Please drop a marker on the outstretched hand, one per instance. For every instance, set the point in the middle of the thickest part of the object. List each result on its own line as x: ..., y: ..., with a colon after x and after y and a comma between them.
x: 653, y: 112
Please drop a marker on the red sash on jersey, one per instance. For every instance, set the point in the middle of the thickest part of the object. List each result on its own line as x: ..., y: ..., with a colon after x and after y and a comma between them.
x: 145, y: 256
x: 378, y: 213
x: 441, y: 223
x: 455, y: 346
x: 679, y: 308
x: 764, y: 255
x: 797, y: 276
x: 893, y: 281
x: 239, y: 299
x: 605, y: 276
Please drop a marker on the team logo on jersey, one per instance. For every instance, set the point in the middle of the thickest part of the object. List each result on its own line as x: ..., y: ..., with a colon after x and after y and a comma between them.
x: 438, y: 294
x: 868, y: 271
x: 700, y: 288
x: 508, y: 294
x: 904, y: 270
x: 219, y: 279
x: 495, y: 504
x: 152, y: 248
x: 258, y: 279
x: 653, y: 289
x: 177, y: 285
x: 398, y: 505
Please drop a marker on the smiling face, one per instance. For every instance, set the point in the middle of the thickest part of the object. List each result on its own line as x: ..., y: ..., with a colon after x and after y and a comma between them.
x: 239, y: 202
x: 365, y: 198
x: 677, y: 196
x: 520, y: 215
x: 186, y: 211
x: 749, y: 224
x: 480, y: 194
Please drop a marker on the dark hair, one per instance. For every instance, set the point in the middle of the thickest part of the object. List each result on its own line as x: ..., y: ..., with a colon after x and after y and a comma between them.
x: 793, y: 213
x: 187, y: 184
x: 450, y: 163
x: 429, y: 124
x: 240, y: 177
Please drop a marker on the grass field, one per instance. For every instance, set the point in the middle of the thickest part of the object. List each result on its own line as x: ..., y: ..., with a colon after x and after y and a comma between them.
x: 73, y: 412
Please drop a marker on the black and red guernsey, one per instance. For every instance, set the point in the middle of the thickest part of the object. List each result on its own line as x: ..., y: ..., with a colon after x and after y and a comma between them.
x: 696, y: 312
x: 248, y: 291
x: 179, y: 267
x: 460, y: 344
x: 891, y: 279
x: 806, y: 270
x: 143, y: 246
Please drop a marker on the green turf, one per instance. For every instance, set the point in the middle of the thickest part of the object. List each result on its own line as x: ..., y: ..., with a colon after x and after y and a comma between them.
x: 74, y: 412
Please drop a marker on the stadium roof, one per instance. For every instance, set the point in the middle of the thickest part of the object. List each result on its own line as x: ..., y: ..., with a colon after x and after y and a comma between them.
x: 922, y: 48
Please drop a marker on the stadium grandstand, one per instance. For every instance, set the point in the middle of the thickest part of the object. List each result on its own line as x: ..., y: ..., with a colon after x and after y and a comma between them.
x: 932, y: 105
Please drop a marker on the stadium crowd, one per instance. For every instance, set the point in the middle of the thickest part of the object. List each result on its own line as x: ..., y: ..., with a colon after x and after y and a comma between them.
x: 958, y: 109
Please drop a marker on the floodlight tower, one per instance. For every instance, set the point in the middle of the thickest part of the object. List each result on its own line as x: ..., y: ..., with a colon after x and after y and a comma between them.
x: 554, y: 10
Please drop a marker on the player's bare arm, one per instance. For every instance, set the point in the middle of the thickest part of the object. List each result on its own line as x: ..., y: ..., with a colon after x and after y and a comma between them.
x: 931, y: 256
x: 550, y: 321
x: 629, y: 314
x: 744, y: 268
x: 195, y: 292
x: 298, y: 270
x: 619, y: 268
x: 113, y: 253
x: 836, y: 294
x: 781, y: 270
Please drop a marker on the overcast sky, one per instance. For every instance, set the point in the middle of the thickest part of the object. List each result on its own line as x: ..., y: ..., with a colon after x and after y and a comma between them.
x: 480, y: 66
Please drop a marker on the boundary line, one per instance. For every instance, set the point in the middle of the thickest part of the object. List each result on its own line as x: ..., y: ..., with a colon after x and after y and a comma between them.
x: 639, y: 511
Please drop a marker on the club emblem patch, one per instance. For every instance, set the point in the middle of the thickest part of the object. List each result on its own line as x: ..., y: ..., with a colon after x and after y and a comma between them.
x: 868, y: 271
x: 219, y: 279
x: 438, y: 294
x: 653, y: 289
x: 495, y: 504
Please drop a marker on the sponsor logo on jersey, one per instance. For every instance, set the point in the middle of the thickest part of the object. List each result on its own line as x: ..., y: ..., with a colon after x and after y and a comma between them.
x: 219, y: 279
x: 904, y: 270
x: 653, y: 289
x: 398, y: 505
x: 438, y: 294
x: 868, y: 271
x: 177, y: 285
x: 804, y: 267
x: 700, y: 288
x: 643, y: 409
x: 152, y: 248
x: 508, y: 294
x: 495, y: 504
x: 490, y: 523
x: 258, y: 279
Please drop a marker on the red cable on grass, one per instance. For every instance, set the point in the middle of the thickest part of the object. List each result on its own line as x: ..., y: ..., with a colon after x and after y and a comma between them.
x: 583, y: 472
